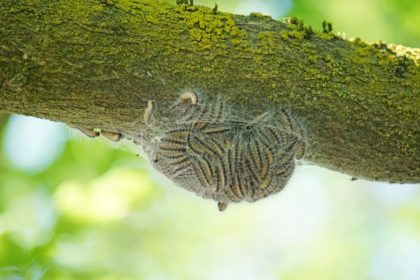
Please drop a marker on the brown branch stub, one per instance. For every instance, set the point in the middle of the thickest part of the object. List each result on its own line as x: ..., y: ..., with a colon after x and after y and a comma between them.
x: 93, y: 64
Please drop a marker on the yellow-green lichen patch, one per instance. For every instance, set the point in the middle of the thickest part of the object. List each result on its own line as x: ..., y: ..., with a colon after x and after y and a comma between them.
x: 297, y: 34
x: 210, y: 29
x: 259, y: 16
x: 235, y: 42
x: 266, y: 42
x: 151, y: 19
x: 151, y: 11
x: 284, y: 35
x: 267, y: 38
x: 325, y: 36
x: 97, y: 8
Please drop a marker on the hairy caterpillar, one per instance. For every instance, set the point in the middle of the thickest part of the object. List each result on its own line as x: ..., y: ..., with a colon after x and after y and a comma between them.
x: 110, y: 135
x: 203, y: 147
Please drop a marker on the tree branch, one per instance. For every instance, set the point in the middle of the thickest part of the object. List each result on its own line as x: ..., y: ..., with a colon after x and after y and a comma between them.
x: 96, y: 63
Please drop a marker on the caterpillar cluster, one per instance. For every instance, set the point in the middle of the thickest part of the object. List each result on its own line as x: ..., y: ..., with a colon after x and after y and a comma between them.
x: 202, y: 146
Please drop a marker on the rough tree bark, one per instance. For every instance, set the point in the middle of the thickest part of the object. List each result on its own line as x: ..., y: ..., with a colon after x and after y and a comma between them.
x: 95, y: 63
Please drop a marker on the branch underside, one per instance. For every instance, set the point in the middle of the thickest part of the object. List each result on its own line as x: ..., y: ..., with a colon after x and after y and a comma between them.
x: 96, y: 63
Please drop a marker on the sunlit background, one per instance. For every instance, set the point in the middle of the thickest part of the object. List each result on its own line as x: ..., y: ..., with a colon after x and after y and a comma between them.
x: 76, y: 208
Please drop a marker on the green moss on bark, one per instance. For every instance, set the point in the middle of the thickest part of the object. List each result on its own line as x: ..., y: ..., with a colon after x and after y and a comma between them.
x: 95, y: 63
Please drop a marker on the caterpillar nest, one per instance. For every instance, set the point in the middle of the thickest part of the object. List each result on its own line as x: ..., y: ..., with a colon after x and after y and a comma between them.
x: 204, y: 147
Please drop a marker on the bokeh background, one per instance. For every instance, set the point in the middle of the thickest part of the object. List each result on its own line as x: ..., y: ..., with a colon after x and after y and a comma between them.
x: 76, y: 208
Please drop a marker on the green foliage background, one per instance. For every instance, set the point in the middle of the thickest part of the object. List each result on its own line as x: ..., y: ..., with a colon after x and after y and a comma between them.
x: 97, y: 212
